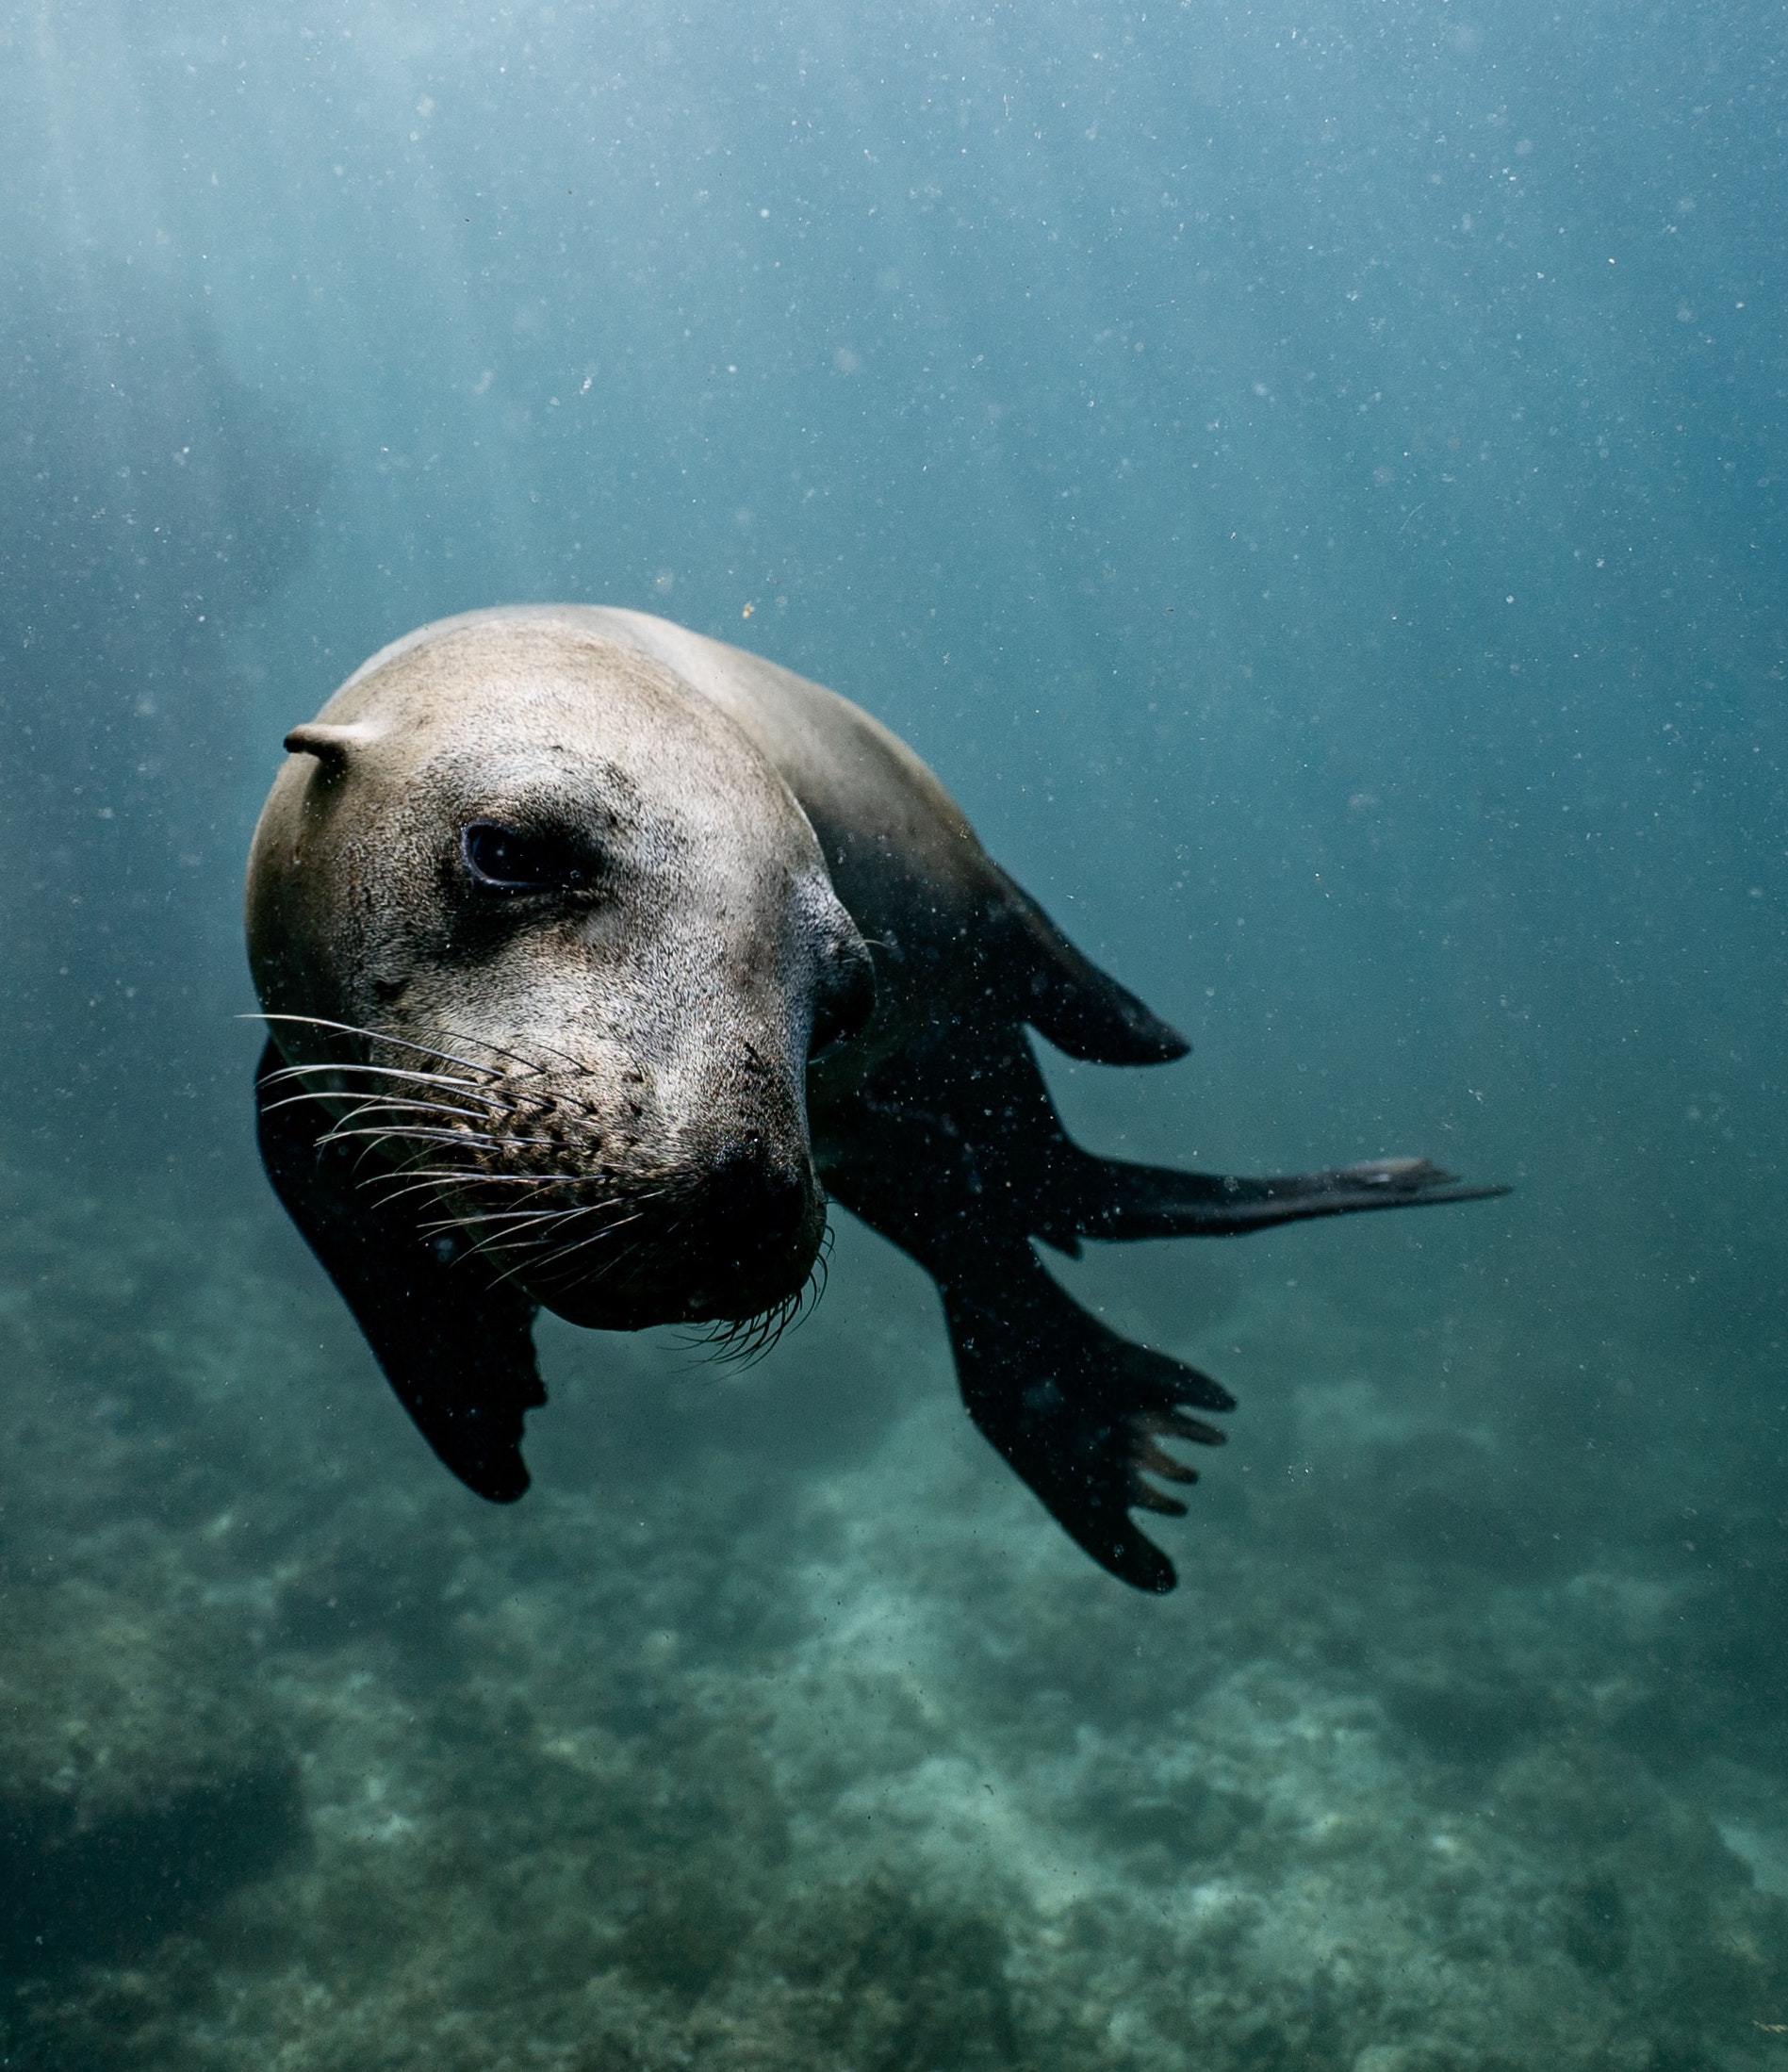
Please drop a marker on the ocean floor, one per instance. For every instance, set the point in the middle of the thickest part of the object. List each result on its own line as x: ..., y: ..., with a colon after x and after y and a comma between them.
x: 779, y: 1727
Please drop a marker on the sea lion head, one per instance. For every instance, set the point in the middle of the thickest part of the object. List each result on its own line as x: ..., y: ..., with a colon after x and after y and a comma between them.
x: 552, y: 943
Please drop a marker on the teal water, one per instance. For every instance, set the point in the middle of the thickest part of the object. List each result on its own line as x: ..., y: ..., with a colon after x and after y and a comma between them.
x: 1312, y: 484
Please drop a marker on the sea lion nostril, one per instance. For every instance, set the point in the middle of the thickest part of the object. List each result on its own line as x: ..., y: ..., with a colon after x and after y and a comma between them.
x: 753, y: 1203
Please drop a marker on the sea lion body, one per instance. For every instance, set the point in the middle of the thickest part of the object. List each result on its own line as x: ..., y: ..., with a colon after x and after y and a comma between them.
x: 594, y: 950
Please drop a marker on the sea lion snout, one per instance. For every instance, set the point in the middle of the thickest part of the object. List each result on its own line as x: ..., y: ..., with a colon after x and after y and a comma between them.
x: 723, y: 1228
x: 747, y: 1242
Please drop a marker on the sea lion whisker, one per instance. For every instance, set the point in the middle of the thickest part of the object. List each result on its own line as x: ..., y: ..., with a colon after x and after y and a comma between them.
x: 403, y: 1163
x: 292, y: 1100
x: 663, y: 1232
x: 746, y: 1340
x: 757, y: 1335
x: 515, y: 1056
x: 432, y: 1185
x: 620, y: 1259
x: 372, y: 1035
x: 381, y: 1134
x: 516, y: 1222
x: 456, y: 1174
x: 579, y: 1067
x: 609, y: 1268
x: 435, y: 1181
x: 537, y: 1180
x: 389, y: 1071
x: 813, y: 1290
x: 552, y: 1258
x: 521, y: 1226
x: 517, y: 1246
x: 535, y: 1252
x: 632, y: 1202
x: 821, y: 1270
x: 496, y: 1242
x: 567, y: 1214
x: 408, y: 1164
x: 399, y: 1104
x: 561, y: 1253
x: 372, y: 1103
x: 470, y: 1138
x: 483, y: 1074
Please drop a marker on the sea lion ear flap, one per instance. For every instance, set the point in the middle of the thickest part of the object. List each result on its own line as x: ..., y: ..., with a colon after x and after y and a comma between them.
x: 332, y: 747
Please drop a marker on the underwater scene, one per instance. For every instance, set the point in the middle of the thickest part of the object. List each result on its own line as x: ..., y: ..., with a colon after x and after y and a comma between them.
x: 1311, y: 480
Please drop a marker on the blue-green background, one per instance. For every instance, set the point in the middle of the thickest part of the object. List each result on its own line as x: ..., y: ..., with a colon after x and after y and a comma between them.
x: 1309, y: 479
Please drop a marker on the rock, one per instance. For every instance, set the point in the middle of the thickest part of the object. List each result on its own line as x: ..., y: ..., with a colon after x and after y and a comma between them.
x: 141, y: 1777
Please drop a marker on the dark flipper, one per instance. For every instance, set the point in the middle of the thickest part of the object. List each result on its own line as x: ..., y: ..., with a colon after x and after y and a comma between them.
x: 455, y: 1344
x: 1119, y: 1201
x: 942, y: 1123
x: 954, y: 1152
x: 1079, y: 1411
x: 1080, y: 1009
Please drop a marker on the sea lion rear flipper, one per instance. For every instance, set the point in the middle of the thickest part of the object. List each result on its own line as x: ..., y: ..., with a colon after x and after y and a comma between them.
x: 1118, y: 1201
x: 1079, y: 1411
x: 455, y: 1342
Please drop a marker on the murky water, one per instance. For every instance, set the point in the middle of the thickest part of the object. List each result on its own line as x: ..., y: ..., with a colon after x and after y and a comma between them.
x: 1313, y: 484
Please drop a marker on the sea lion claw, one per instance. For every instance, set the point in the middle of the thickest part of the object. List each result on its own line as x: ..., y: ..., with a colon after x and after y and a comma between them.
x: 1158, y: 1462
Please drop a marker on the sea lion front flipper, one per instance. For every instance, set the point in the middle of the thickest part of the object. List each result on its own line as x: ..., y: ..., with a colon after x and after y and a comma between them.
x: 455, y: 1342
x: 1077, y: 1411
x: 1063, y: 993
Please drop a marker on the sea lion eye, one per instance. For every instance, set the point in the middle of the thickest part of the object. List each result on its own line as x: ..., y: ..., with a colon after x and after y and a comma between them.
x: 504, y: 860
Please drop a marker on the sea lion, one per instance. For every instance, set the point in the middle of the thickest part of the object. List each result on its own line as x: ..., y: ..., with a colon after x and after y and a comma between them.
x: 596, y: 954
